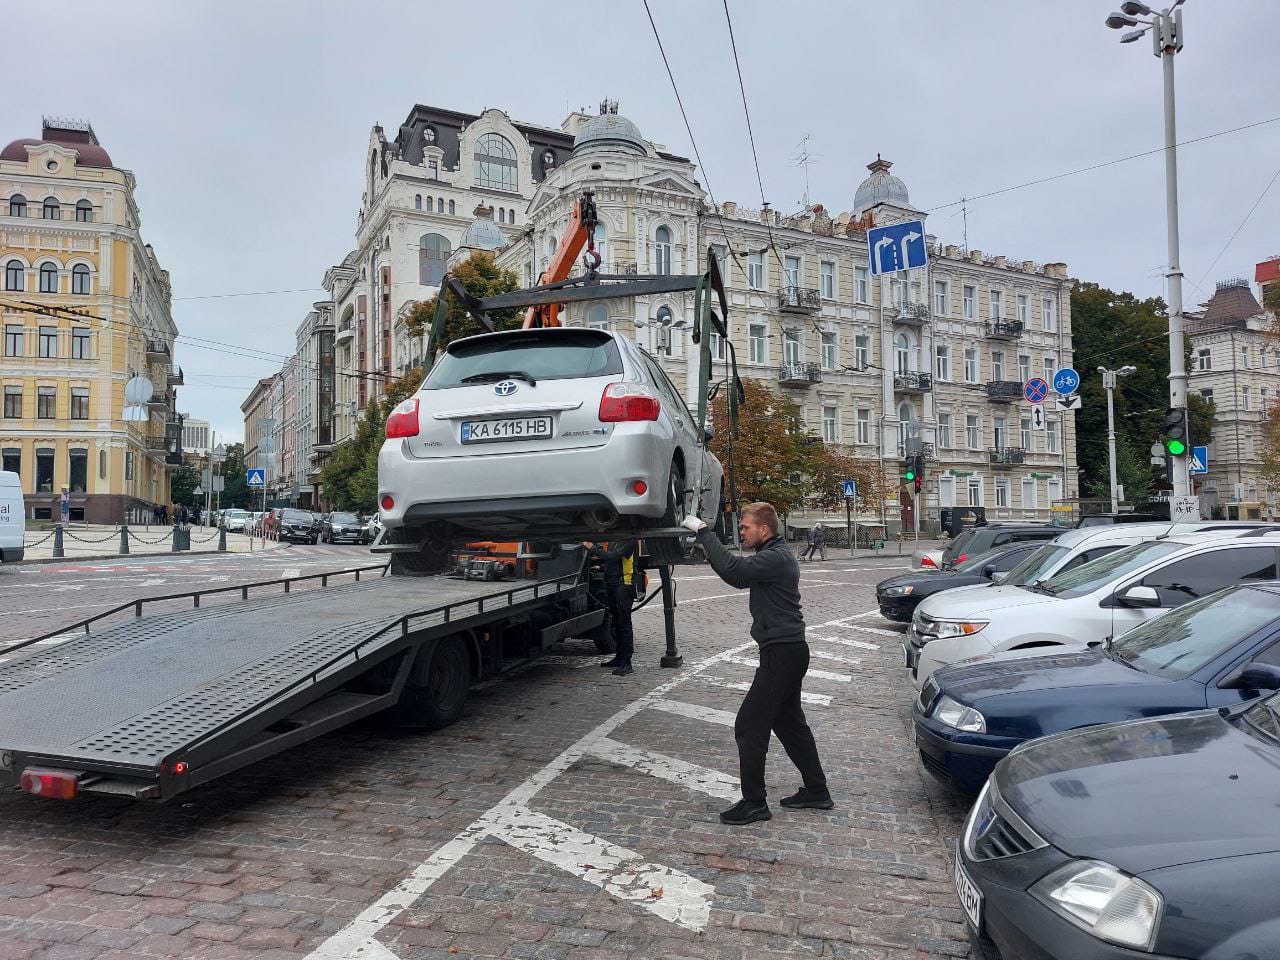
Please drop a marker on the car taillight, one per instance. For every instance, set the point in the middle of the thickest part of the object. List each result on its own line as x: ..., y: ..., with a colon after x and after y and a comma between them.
x: 622, y: 402
x: 403, y: 420
x: 962, y: 558
x: 928, y: 562
x: 58, y: 784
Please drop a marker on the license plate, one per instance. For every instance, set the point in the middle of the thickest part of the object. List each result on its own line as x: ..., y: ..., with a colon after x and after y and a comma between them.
x: 970, y: 896
x: 510, y: 428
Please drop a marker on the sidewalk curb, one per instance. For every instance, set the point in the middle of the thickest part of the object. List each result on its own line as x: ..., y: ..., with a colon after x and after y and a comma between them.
x: 146, y: 556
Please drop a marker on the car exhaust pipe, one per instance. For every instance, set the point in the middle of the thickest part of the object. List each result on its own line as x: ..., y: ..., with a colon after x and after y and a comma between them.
x: 601, y: 518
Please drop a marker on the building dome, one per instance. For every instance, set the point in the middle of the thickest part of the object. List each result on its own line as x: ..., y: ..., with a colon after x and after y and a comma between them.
x: 608, y: 132
x: 483, y: 233
x: 880, y: 187
x: 90, y: 154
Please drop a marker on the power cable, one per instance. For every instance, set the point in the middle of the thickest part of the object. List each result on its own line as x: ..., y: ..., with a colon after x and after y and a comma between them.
x: 1236, y: 233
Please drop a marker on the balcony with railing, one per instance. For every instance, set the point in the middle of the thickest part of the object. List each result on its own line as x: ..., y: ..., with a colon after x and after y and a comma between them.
x: 174, y: 377
x: 914, y: 314
x: 799, y: 374
x: 799, y: 300
x: 1004, y: 391
x: 912, y: 382
x: 157, y: 350
x: 1004, y: 329
x: 1007, y: 456
x: 346, y: 330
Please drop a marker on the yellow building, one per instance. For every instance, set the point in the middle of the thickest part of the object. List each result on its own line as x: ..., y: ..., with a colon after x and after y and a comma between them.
x: 85, y: 308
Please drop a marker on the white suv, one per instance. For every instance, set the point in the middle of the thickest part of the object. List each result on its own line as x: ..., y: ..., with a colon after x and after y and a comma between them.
x: 1089, y: 603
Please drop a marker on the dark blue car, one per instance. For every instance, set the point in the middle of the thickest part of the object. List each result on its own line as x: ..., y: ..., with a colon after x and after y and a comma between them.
x: 1218, y: 651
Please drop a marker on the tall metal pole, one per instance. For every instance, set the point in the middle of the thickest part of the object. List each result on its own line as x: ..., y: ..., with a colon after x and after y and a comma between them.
x: 1109, y: 381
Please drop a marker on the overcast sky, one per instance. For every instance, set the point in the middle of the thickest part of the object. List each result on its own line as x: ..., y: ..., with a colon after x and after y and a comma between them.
x: 246, y: 125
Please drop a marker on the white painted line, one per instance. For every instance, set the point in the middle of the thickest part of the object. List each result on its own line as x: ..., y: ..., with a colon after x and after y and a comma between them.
x: 805, y: 581
x: 844, y: 620
x: 860, y: 644
x: 878, y: 631
x: 672, y: 769
x: 819, y: 674
x: 817, y: 699
x: 821, y: 655
x: 657, y: 607
x: 695, y: 711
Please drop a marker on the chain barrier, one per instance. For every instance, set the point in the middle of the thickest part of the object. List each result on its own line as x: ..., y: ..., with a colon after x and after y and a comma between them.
x: 150, y: 542
x: 212, y: 536
x: 37, y: 543
x: 113, y: 535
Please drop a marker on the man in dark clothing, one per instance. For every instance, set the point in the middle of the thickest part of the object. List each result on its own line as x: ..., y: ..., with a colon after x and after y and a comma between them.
x: 773, y: 702
x: 618, y: 560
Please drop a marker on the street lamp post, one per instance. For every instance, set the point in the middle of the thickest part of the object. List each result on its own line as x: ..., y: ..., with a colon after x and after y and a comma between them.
x: 1109, y: 381
x: 1166, y: 36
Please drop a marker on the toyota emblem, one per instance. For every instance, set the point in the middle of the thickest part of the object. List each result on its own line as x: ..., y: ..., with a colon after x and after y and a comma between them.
x: 505, y: 388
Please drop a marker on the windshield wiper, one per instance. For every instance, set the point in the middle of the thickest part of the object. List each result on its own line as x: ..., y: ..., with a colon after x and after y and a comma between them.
x: 1109, y: 652
x: 493, y: 375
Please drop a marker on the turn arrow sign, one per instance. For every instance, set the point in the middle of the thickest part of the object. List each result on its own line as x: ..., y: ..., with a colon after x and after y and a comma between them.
x: 1071, y: 402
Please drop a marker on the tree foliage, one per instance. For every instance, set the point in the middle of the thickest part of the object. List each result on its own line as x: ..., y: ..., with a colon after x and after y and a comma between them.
x: 235, y: 491
x: 182, y: 485
x: 480, y: 276
x: 349, y: 478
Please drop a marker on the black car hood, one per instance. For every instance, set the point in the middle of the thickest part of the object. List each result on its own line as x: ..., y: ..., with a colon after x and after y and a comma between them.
x: 1150, y: 793
x: 974, y: 683
x: 928, y: 583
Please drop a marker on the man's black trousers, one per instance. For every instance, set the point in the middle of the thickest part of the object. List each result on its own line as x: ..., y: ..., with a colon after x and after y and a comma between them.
x: 773, y: 704
x: 620, y: 597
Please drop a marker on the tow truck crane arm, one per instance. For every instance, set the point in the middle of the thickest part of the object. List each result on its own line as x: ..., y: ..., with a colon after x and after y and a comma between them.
x: 578, y: 233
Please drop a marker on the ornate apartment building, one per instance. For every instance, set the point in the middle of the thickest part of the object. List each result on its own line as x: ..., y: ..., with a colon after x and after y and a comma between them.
x: 86, y: 307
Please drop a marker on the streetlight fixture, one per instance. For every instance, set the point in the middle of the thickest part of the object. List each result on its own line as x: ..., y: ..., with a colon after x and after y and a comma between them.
x: 1166, y: 32
x: 1109, y: 381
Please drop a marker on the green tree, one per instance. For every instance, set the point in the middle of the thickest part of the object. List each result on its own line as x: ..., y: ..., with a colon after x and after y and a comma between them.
x: 235, y: 492
x: 480, y: 277
x: 183, y: 483
x: 1133, y: 472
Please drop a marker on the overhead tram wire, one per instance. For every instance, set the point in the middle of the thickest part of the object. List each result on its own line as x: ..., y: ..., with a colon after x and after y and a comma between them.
x: 1230, y: 240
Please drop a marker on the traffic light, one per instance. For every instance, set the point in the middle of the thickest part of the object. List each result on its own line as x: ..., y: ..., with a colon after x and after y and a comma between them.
x: 917, y: 474
x: 1176, y: 437
x: 909, y: 469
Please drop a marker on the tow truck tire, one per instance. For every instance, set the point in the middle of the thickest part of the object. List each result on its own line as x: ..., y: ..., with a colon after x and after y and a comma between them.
x: 437, y: 688
x: 668, y: 550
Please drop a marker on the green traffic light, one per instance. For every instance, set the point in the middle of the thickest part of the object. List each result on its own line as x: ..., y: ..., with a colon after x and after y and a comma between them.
x: 1175, y: 447
x: 910, y: 475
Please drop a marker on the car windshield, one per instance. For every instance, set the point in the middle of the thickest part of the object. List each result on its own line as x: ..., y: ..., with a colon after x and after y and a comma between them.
x: 1184, y: 640
x: 976, y: 561
x: 296, y: 516
x: 1036, y: 566
x: 1090, y: 576
x: 542, y: 355
x: 344, y: 518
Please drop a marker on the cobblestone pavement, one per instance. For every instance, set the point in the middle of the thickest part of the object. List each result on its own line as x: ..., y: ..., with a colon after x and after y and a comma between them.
x: 570, y: 814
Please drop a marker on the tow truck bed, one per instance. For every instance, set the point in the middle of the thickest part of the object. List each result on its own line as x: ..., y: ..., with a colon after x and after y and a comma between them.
x: 155, y: 706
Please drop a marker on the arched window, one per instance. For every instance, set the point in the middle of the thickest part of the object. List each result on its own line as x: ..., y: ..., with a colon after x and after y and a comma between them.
x: 440, y: 205
x: 84, y: 211
x: 902, y: 353
x: 80, y: 282
x: 662, y: 250
x: 502, y: 215
x: 496, y: 163
x: 663, y: 316
x: 428, y: 205
x: 602, y: 234
x: 433, y: 251
x: 417, y: 202
x: 52, y: 209
x: 14, y: 275
x: 452, y: 208
x: 48, y: 278
x: 511, y: 216
x: 17, y: 205
x: 598, y: 317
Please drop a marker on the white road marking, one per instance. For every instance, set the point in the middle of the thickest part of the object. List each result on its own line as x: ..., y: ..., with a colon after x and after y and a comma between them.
x: 821, y: 655
x: 860, y: 644
x: 844, y: 620
x: 672, y: 769
x: 817, y: 699
x: 878, y: 631
x: 657, y: 608
x: 819, y: 674
x: 695, y: 711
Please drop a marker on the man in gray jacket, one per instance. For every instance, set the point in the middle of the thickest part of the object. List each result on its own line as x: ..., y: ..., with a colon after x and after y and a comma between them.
x: 773, y: 701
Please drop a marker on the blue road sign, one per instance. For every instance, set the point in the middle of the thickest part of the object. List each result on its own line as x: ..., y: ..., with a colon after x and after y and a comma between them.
x: 1066, y: 381
x: 1035, y: 390
x: 850, y: 489
x: 1199, y: 462
x: 897, y: 247
x: 255, y: 478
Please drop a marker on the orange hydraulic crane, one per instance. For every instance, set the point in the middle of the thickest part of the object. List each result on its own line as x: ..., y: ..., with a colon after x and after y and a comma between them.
x: 578, y: 233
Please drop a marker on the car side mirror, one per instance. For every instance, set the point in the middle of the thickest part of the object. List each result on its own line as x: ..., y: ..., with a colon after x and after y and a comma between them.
x: 996, y: 576
x: 1260, y: 676
x: 708, y: 433
x: 1139, y: 596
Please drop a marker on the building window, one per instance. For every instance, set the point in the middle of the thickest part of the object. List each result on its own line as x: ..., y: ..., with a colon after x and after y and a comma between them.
x: 827, y: 280
x: 439, y: 204
x: 940, y: 298
x: 1049, y: 314
x: 44, y: 469
x: 46, y: 402
x: 502, y: 215
x: 755, y: 271
x: 14, y: 275
x: 1024, y: 433
x: 969, y: 302
x: 830, y: 425
x: 1204, y: 359
x: 496, y: 163
x: 12, y: 404
x: 862, y: 351
x: 80, y: 282
x: 48, y: 342
x: 48, y: 278
x: 997, y: 364
x: 996, y: 305
x: 864, y: 425
x: 433, y: 252
x: 791, y: 271
x: 1002, y: 491
x: 1244, y: 396
x: 756, y: 343
x: 17, y: 205
x: 78, y: 469
x: 861, y: 285
x: 972, y: 432
x: 791, y: 347
x: 79, y: 403
x: 662, y: 251
x: 942, y: 361
x: 907, y: 425
x: 970, y: 364
x: 1051, y: 436
x: 52, y: 209
x: 429, y: 205
x: 598, y: 317
x: 12, y: 460
x: 452, y: 208
x: 13, y: 340
x: 718, y: 349
x: 975, y: 491
x: 417, y: 202
x: 84, y: 211
x: 1024, y: 367
x: 829, y: 352
x: 1029, y: 493
x: 1024, y: 311
x: 1000, y: 432
x: 945, y: 439
x: 902, y: 353
x: 1050, y: 366
x: 80, y: 343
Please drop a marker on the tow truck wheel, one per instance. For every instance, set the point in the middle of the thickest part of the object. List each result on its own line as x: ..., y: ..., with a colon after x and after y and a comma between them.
x: 668, y: 550
x: 437, y: 688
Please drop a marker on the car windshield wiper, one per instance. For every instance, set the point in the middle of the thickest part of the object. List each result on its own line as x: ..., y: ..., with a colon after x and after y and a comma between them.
x: 1039, y: 587
x: 493, y: 375
x: 1109, y: 652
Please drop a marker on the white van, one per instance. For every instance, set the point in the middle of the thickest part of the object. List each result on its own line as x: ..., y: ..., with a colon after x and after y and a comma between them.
x: 13, y: 518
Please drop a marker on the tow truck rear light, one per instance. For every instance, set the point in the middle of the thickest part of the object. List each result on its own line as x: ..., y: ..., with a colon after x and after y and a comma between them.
x: 403, y: 420
x: 57, y: 784
x: 625, y: 402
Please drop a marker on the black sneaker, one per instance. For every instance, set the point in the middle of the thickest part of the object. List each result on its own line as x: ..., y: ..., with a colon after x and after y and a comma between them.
x: 622, y: 670
x: 807, y: 798
x: 746, y: 811
x: 611, y: 663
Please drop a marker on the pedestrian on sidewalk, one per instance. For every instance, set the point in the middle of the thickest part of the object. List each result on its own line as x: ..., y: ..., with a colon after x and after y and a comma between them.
x: 817, y: 543
x: 772, y: 703
x: 618, y: 560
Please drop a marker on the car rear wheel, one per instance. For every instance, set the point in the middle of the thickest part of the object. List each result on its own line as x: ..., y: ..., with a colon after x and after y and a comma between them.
x: 668, y: 550
x: 431, y: 557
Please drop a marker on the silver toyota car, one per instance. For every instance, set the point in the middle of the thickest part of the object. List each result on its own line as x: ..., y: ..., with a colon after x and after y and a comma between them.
x: 561, y: 434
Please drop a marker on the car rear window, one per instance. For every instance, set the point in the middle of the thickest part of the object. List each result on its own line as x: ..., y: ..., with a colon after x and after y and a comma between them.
x: 540, y: 354
x: 957, y: 546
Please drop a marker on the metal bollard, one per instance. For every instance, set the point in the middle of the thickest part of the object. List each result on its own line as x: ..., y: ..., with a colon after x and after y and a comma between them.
x: 58, y: 552
x: 173, y: 539
x: 222, y: 538
x: 124, y: 539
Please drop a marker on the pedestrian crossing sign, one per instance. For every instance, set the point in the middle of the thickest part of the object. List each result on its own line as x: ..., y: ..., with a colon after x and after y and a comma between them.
x: 256, y: 478
x: 850, y: 489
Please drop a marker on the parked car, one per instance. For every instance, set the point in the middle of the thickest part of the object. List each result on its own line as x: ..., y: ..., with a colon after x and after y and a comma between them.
x: 899, y: 596
x: 978, y: 540
x: 597, y: 435
x: 1151, y: 838
x: 1109, y: 519
x: 297, y: 526
x: 372, y: 528
x: 1201, y: 655
x: 236, y: 520
x: 1102, y: 598
x: 339, y: 527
